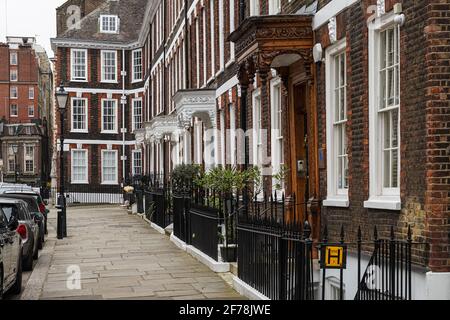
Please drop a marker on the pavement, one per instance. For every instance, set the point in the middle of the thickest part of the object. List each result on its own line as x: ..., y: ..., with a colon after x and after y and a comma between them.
x: 110, y: 254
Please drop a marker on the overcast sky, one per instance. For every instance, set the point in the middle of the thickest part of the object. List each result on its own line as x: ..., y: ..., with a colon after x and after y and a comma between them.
x: 35, y: 18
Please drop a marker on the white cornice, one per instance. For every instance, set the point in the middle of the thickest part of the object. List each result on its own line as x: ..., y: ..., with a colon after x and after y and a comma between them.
x: 74, y: 43
x: 332, y: 9
x: 111, y: 91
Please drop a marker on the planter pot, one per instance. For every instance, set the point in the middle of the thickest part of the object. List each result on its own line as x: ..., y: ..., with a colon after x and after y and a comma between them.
x: 228, y: 254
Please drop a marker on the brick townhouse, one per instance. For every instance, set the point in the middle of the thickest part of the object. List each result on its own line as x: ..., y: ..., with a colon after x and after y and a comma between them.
x: 25, y: 110
x: 352, y: 97
x: 101, y: 60
x: 362, y: 127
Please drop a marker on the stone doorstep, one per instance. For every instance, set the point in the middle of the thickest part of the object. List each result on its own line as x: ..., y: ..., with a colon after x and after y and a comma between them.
x: 234, y: 268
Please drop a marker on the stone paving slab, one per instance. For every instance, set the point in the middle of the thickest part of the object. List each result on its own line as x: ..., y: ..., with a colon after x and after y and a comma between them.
x: 122, y: 257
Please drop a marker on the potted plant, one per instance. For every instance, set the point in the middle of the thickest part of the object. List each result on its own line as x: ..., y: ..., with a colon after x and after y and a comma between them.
x: 183, y: 176
x: 228, y: 182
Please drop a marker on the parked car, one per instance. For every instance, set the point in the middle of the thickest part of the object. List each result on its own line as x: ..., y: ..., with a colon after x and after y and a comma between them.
x: 28, y: 229
x: 33, y: 207
x: 10, y: 255
x: 25, y: 189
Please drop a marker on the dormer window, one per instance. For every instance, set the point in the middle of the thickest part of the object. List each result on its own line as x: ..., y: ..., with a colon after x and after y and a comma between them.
x: 109, y: 24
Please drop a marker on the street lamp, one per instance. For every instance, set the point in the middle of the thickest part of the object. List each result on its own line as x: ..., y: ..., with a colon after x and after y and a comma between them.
x: 62, y: 97
x: 15, y: 149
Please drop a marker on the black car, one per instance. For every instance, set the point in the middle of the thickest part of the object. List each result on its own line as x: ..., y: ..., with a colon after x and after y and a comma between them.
x: 11, y: 189
x: 28, y: 229
x: 33, y: 207
x: 10, y: 255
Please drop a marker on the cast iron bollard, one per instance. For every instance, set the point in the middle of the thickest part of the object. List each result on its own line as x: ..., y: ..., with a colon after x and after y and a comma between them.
x: 59, y: 226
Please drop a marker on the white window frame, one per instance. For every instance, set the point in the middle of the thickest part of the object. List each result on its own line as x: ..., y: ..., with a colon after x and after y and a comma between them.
x: 31, y: 93
x: 332, y: 291
x: 13, y: 58
x: 137, y: 151
x: 134, y: 66
x: 274, y: 6
x: 335, y: 197
x: 115, y: 130
x: 221, y: 36
x: 212, y: 39
x: 27, y: 157
x: 233, y: 133
x: 257, y: 121
x: 31, y: 108
x: 86, y: 122
x: 258, y: 137
x: 222, y: 138
x: 379, y: 197
x: 204, y: 47
x: 72, y: 65
x: 254, y: 8
x: 116, y: 25
x: 232, y: 28
x: 72, y: 178
x: 275, y: 150
x: 110, y: 182
x: 103, y: 66
x: 16, y: 73
x: 16, y: 108
x: 16, y: 90
x: 134, y: 114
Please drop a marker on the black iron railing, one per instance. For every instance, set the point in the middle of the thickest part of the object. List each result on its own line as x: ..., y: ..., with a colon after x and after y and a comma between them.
x: 388, y: 274
x: 91, y: 194
x: 274, y: 253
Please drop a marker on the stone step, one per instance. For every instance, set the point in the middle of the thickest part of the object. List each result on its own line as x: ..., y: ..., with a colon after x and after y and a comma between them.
x: 234, y: 268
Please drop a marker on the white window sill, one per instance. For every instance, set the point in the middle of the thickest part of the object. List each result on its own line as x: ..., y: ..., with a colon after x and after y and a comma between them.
x: 109, y: 183
x: 73, y: 80
x: 342, y: 202
x: 79, y: 131
x: 110, y: 81
x: 384, y: 202
x: 109, y: 132
x: 136, y: 81
x: 79, y: 182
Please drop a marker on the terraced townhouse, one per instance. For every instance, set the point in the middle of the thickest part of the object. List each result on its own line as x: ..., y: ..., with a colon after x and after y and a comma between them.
x: 353, y: 95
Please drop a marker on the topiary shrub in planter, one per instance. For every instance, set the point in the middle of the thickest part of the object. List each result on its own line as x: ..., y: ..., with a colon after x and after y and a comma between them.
x: 183, y: 176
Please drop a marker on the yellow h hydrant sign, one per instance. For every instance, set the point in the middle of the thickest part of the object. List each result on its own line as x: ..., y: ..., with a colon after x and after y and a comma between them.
x: 333, y: 256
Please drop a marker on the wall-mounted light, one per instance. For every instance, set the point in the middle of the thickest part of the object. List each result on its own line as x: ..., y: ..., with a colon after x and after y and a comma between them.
x: 400, y: 19
x: 399, y: 16
x: 317, y: 53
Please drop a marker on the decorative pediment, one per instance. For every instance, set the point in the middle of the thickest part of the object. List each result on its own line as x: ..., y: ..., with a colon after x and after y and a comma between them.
x: 196, y: 103
x: 161, y: 126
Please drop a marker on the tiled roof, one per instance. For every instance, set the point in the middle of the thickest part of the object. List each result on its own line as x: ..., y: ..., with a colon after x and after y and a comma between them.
x: 130, y: 12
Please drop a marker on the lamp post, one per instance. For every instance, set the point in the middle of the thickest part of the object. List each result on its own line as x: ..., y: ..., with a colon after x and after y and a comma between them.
x: 62, y: 97
x: 15, y: 149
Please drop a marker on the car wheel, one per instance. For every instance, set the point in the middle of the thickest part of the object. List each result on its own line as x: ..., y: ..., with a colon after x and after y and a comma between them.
x: 40, y: 241
x: 28, y: 262
x: 17, y: 287
x: 36, y: 252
